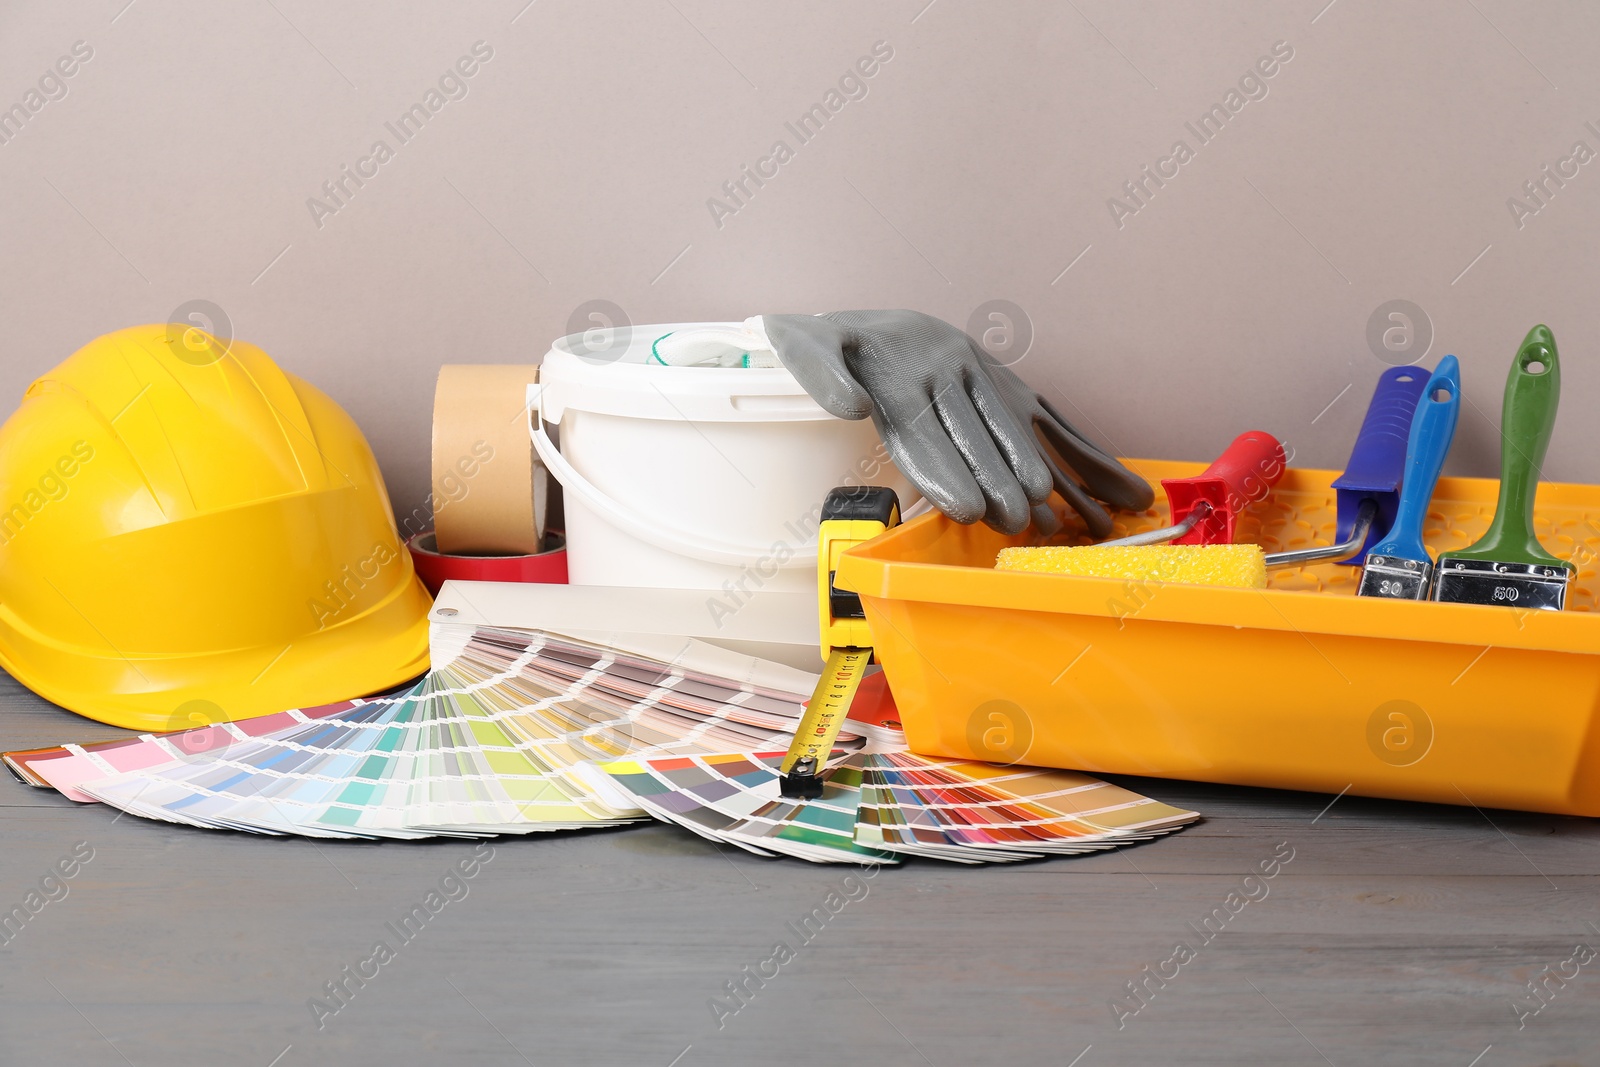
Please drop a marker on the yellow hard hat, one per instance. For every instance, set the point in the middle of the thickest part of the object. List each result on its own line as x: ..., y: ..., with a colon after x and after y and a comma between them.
x: 189, y: 534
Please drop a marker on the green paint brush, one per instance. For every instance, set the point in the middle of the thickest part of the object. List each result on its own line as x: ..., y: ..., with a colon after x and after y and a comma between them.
x: 1508, y: 565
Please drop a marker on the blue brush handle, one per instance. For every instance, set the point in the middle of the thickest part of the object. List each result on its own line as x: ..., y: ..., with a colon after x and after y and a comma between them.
x: 1432, y: 430
x: 1378, y: 460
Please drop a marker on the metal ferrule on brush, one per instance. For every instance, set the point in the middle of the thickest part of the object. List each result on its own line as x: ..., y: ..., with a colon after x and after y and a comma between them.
x: 1396, y: 578
x: 1531, y: 586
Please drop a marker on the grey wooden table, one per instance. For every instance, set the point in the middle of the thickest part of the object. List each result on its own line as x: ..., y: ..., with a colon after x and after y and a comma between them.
x: 1396, y: 934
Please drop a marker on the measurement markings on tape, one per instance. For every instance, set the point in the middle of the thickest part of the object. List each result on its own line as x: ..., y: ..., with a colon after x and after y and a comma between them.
x: 819, y: 727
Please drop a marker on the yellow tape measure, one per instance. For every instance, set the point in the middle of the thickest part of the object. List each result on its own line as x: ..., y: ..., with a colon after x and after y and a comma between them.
x: 850, y: 516
x: 819, y: 727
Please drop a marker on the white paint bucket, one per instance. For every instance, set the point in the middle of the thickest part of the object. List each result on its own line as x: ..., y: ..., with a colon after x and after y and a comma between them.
x: 695, y: 477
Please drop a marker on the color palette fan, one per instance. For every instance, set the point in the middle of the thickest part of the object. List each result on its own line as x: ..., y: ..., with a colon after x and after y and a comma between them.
x: 523, y: 731
x: 880, y: 805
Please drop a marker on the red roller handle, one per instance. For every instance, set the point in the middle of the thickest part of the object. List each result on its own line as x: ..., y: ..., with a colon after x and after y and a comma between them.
x: 1241, y: 476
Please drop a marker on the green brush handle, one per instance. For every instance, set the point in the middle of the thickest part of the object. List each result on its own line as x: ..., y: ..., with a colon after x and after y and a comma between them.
x: 1525, y: 425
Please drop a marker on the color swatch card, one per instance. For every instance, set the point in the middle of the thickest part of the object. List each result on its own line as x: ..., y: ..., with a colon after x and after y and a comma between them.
x: 879, y: 805
x: 522, y: 731
x: 63, y: 768
x: 267, y: 784
x: 734, y: 797
x: 486, y: 744
x: 968, y: 811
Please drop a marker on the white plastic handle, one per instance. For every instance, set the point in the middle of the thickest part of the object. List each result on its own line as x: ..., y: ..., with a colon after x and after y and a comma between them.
x: 650, y: 531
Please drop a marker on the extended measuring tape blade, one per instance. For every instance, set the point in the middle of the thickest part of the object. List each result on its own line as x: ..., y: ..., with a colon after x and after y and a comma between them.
x: 819, y: 727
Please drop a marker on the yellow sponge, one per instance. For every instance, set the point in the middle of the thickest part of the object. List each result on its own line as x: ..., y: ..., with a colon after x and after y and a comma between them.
x: 1243, y: 566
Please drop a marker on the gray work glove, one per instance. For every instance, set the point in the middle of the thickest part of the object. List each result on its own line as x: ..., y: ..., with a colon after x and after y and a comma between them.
x: 956, y: 422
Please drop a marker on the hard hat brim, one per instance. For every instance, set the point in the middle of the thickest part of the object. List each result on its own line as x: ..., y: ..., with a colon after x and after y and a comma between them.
x: 368, y: 653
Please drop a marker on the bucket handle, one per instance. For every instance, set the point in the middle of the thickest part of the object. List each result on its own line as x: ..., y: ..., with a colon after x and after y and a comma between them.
x: 650, y: 531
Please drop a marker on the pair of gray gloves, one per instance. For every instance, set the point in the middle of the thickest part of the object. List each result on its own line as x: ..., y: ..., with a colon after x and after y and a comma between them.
x: 958, y: 424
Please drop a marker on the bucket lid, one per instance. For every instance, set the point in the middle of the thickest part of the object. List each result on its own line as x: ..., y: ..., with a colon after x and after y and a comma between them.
x: 610, y: 372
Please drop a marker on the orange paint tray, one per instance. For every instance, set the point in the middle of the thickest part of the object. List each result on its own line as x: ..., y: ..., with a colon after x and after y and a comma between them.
x: 1302, y: 685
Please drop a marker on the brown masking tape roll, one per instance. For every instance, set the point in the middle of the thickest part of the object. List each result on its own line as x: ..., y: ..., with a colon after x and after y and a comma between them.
x: 488, y: 486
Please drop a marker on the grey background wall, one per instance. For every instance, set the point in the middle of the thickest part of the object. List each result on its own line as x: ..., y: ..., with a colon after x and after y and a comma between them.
x: 976, y: 164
